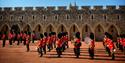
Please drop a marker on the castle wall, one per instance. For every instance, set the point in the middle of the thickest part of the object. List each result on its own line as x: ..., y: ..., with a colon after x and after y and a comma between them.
x: 98, y: 20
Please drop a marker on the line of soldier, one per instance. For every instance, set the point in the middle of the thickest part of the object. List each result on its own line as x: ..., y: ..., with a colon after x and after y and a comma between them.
x: 13, y: 37
x: 51, y: 41
x: 60, y: 42
x: 121, y: 42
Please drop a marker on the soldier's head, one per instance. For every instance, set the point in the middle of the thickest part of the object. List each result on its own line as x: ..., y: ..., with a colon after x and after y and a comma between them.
x: 92, y: 36
x: 41, y: 35
x: 59, y: 35
x: 45, y: 34
x: 77, y: 34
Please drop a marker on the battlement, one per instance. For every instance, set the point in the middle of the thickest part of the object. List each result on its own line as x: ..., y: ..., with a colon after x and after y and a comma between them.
x: 51, y: 8
x: 62, y: 8
x: 122, y: 7
x: 111, y: 7
x: 18, y: 8
x: 85, y: 7
x: 28, y: 8
x: 98, y: 7
x: 40, y: 8
x: 7, y: 8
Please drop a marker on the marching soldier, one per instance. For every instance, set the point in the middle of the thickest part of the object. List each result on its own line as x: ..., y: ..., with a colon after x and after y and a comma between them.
x: 10, y: 36
x: 33, y: 36
x: 24, y: 38
x: 77, y: 44
x: 49, y: 42
x: 110, y: 45
x: 123, y: 42
x: 41, y: 45
x: 4, y: 38
x: 18, y: 38
x: 91, y: 46
x: 45, y: 41
x: 27, y: 42
x: 59, y: 45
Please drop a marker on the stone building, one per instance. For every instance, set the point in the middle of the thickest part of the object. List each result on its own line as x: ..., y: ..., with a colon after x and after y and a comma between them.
x: 40, y: 19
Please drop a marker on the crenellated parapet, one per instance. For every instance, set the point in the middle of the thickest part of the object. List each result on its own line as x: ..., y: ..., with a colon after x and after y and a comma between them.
x: 122, y: 7
x: 7, y: 8
x: 98, y: 7
x: 52, y: 8
x: 85, y: 7
x: 62, y: 8
x: 111, y: 7
x: 18, y: 8
x: 28, y: 8
x: 39, y: 8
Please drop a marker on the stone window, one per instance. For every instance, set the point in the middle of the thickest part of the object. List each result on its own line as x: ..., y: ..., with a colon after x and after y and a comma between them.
x: 55, y: 17
x: 33, y: 17
x: 67, y: 17
x: 11, y: 17
x: 1, y: 17
x: 44, y: 17
x: 86, y: 28
x: 92, y: 16
x: 80, y: 17
x: 118, y: 17
x: 105, y: 17
x: 22, y: 17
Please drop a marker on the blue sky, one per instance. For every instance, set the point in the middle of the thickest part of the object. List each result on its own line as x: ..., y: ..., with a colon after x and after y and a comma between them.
x: 34, y: 3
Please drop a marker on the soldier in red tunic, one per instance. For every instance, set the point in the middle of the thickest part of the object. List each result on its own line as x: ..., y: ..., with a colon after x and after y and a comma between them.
x: 123, y: 42
x: 91, y: 46
x: 4, y: 38
x: 110, y: 46
x: 18, y: 38
x: 41, y: 45
x: 24, y: 38
x: 77, y: 44
x: 49, y: 42
x: 45, y: 42
x: 10, y: 36
x: 59, y: 45
x: 66, y: 39
x: 27, y: 42
x: 33, y: 36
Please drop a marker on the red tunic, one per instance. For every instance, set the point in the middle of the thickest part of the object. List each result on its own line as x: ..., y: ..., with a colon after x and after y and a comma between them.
x: 110, y: 44
x: 92, y: 44
x: 10, y: 36
x: 123, y: 42
x: 59, y: 43
x: 41, y: 43
x: 3, y: 36
x: 77, y: 42
x: 49, y: 40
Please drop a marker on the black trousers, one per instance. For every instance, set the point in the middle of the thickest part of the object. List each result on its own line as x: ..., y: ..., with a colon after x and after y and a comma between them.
x: 59, y: 52
x: 44, y: 49
x: 40, y: 51
x: 49, y: 46
x: 4, y: 41
x: 27, y: 46
x: 77, y: 52
x: 10, y: 41
x: 91, y: 52
x: 108, y: 50
x: 18, y: 42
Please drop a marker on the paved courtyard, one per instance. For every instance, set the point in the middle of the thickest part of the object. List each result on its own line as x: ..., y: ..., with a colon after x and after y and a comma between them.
x: 18, y: 54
